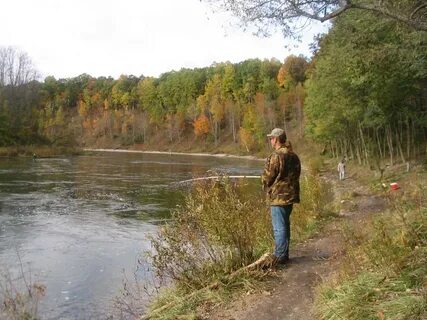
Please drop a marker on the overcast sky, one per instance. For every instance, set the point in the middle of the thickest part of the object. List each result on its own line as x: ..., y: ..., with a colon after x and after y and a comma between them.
x: 66, y: 38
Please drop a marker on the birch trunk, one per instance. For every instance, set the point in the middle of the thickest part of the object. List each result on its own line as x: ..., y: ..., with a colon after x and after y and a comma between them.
x: 399, y: 148
x: 362, y: 139
x: 359, y: 160
x: 408, y: 138
x: 390, y: 144
x: 378, y: 142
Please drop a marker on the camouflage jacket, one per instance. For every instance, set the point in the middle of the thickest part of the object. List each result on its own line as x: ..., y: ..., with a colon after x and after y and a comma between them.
x: 281, y: 177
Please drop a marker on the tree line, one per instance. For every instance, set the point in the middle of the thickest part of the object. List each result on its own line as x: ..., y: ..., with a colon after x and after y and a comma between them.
x: 362, y: 94
x: 238, y: 102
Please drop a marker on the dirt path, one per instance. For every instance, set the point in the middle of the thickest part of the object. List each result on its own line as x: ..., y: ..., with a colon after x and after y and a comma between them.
x: 290, y: 291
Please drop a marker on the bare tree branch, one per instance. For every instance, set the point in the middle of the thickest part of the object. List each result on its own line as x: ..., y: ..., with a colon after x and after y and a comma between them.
x: 417, y: 25
x: 286, y: 14
x: 16, y: 68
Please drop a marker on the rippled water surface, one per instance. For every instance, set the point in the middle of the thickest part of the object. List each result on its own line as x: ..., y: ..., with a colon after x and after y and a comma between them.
x: 77, y: 222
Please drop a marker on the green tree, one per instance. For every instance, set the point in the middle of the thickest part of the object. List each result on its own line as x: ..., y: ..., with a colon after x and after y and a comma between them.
x: 149, y: 101
x: 366, y: 92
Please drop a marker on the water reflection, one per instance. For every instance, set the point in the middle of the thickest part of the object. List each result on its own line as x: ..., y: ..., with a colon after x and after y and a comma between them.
x: 77, y: 222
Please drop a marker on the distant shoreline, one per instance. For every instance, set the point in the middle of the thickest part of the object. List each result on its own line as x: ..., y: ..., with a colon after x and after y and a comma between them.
x: 198, y: 154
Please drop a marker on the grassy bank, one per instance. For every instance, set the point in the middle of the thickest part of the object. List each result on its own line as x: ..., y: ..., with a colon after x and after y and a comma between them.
x: 384, y: 275
x: 221, y: 227
x: 38, y: 151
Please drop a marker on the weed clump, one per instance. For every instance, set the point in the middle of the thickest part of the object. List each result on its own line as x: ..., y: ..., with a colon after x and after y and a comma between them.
x: 385, y: 276
x: 217, y: 230
x: 19, y: 296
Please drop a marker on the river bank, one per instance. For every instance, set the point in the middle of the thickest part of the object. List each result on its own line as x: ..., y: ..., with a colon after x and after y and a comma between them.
x: 291, y: 291
x: 229, y: 229
x: 51, y: 151
x: 327, y: 268
x: 357, y: 266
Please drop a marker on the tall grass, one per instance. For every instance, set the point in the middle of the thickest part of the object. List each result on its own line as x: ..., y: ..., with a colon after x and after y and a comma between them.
x: 19, y: 296
x: 316, y: 207
x: 220, y: 228
x: 386, y: 274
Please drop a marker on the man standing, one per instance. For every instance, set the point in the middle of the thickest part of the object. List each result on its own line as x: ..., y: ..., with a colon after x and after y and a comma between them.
x: 281, y: 181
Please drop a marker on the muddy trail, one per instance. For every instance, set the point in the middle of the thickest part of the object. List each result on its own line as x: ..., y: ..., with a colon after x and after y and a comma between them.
x: 289, y: 292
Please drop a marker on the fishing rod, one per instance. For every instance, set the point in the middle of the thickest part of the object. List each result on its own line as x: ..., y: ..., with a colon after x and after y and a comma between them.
x: 218, y: 178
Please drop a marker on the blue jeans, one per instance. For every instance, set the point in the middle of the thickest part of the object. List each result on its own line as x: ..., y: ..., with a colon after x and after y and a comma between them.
x: 282, y: 230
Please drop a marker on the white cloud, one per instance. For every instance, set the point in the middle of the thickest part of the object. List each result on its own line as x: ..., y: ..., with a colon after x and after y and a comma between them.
x: 66, y: 38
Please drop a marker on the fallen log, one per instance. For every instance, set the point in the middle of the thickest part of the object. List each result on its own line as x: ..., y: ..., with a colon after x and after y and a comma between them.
x: 265, y: 261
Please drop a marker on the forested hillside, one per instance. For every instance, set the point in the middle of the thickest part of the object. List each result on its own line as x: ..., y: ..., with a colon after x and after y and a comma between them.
x: 238, y: 102
x: 363, y: 94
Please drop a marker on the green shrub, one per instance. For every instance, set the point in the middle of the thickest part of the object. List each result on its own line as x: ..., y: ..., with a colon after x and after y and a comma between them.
x: 218, y: 229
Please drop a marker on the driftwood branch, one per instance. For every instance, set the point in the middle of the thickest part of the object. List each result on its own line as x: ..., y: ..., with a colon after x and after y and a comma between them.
x: 424, y: 5
x: 264, y: 261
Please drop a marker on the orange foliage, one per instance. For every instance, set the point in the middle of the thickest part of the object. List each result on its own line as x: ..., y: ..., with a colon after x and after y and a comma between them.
x: 201, y: 125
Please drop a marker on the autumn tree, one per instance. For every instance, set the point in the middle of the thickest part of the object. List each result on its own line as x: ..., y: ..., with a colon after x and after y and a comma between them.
x: 211, y: 104
x: 201, y: 126
x: 292, y: 71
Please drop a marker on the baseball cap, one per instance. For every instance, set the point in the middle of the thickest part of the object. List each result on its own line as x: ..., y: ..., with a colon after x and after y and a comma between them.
x: 276, y: 132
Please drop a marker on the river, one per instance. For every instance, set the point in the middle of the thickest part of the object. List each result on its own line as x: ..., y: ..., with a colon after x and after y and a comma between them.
x: 77, y: 223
